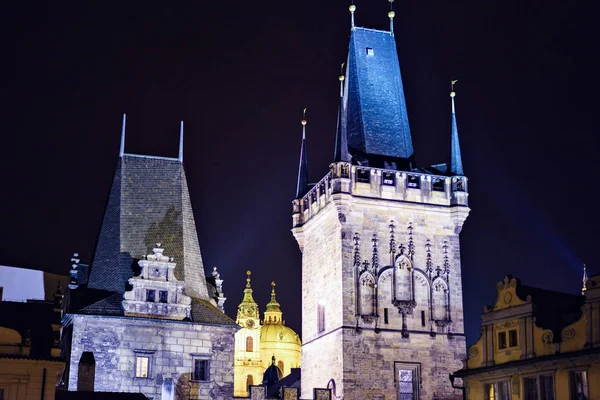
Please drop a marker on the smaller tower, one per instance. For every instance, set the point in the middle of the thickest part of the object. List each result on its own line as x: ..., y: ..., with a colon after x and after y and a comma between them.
x: 273, y: 315
x: 456, y: 167
x: 248, y: 367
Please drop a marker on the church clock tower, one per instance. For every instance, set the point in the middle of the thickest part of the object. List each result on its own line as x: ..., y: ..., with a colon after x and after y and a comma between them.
x: 382, y: 309
x: 248, y: 368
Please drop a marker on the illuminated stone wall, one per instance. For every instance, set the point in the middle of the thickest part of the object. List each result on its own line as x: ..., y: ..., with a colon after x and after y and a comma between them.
x: 171, y: 346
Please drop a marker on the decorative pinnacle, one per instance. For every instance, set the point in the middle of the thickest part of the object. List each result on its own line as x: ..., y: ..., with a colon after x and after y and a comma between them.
x: 585, y: 279
x: 122, y: 149
x: 248, y: 279
x: 391, y: 16
x: 453, y: 94
x: 304, y: 117
x: 181, y: 142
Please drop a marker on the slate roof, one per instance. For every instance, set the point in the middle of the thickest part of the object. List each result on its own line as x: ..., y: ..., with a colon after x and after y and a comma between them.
x: 376, y: 120
x: 148, y: 203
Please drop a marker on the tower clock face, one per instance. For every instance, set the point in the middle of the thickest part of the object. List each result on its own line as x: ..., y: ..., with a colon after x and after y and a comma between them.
x: 249, y: 323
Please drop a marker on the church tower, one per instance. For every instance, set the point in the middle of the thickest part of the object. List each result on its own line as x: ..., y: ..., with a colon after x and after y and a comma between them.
x: 382, y: 309
x: 248, y: 368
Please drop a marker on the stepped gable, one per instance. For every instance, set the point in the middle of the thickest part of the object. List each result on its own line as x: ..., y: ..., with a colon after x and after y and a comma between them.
x: 148, y: 203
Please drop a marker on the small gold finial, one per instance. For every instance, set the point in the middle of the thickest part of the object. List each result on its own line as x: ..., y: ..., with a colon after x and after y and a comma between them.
x: 352, y: 8
x: 248, y: 279
x: 304, y: 117
x: 342, y: 72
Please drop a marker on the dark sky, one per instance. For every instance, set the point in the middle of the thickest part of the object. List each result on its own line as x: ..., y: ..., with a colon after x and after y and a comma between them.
x: 239, y: 75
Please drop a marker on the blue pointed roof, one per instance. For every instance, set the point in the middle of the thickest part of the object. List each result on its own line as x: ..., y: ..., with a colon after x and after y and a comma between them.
x: 456, y: 167
x: 376, y: 120
x: 302, y: 185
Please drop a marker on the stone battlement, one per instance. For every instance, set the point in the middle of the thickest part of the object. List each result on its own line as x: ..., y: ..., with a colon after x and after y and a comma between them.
x: 378, y: 183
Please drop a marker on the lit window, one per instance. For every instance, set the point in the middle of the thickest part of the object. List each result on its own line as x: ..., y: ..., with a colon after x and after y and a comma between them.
x: 249, y: 344
x: 200, y: 370
x: 407, y: 377
x: 141, y: 366
x: 497, y: 391
x: 413, y: 181
x: 578, y: 385
x: 163, y: 296
x: 388, y: 179
x: 150, y: 295
x: 538, y: 387
x: 320, y: 318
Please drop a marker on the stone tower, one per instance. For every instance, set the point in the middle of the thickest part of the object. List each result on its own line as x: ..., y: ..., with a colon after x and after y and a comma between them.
x: 382, y: 309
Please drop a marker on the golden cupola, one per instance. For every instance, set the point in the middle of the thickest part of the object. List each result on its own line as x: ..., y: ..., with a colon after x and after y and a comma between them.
x: 273, y: 314
x: 248, y: 309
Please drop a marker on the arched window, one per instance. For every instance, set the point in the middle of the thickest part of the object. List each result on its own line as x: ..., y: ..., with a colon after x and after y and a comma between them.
x: 249, y: 382
x: 249, y: 344
x: 280, y: 365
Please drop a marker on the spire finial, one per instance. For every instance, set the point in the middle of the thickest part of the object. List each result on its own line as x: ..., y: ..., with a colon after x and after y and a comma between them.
x: 585, y: 279
x: 342, y: 78
x: 273, y: 291
x: 453, y: 94
x: 391, y: 15
x: 122, y: 149
x: 352, y: 8
x: 181, y: 142
x: 302, y: 168
x: 248, y: 278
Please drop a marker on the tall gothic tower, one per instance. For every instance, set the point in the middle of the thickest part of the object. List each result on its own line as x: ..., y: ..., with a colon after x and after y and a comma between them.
x: 382, y: 310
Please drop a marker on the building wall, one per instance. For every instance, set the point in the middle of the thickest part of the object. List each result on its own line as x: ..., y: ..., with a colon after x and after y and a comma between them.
x: 114, y: 340
x: 22, y: 379
x: 329, y: 278
x: 247, y: 363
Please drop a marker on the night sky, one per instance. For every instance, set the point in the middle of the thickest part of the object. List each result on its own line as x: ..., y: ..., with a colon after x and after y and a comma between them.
x: 240, y: 73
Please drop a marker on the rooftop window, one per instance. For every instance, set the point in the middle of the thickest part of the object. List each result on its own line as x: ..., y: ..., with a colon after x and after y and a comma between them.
x: 370, y: 52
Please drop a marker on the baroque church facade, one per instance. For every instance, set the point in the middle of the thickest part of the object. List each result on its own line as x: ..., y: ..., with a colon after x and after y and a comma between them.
x: 258, y: 342
x: 385, y: 236
x: 143, y: 317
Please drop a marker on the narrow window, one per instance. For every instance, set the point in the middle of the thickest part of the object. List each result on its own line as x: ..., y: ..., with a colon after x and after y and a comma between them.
x: 422, y: 318
x: 150, y: 295
x: 249, y: 344
x: 320, y: 318
x: 200, y: 370
x: 578, y: 385
x: 385, y: 316
x: 407, y: 379
x: 497, y: 391
x: 164, y: 296
x: 1, y: 389
x: 512, y: 338
x: 546, y: 387
x: 280, y: 365
x: 141, y: 366
x: 502, y: 340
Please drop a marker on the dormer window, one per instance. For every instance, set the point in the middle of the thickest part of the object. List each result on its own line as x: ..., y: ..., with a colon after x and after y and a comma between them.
x: 388, y: 179
x: 413, y: 181
x: 507, y: 339
x: 370, y: 52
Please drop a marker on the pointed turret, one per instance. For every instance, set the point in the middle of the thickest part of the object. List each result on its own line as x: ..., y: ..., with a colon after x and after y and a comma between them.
x: 341, y: 140
x: 456, y: 167
x: 302, y: 186
x: 273, y: 315
x: 584, y: 280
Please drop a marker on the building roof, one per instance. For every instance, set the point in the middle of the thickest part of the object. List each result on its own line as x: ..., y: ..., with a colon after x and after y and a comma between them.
x: 376, y: 119
x: 148, y: 203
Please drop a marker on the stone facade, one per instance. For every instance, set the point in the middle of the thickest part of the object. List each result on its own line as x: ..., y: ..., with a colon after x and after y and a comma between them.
x: 171, y: 346
x: 411, y: 316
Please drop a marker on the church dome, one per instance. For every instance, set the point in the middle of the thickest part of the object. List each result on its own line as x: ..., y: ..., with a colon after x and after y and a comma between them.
x: 276, y: 333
